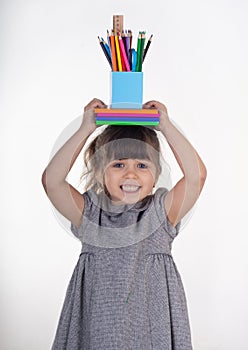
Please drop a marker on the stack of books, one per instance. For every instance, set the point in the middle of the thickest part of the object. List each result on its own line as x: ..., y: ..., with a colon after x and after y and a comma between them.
x: 126, y: 116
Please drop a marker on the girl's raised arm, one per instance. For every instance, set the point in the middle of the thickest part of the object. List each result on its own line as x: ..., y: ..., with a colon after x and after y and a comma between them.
x: 66, y: 199
x: 181, y: 198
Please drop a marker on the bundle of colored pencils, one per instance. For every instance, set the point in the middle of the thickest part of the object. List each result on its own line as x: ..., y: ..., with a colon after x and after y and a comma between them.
x: 119, y: 52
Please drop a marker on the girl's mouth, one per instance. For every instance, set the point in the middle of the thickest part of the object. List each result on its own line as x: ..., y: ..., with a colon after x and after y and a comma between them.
x: 130, y: 188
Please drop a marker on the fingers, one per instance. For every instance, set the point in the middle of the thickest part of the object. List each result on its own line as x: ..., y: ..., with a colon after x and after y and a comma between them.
x: 95, y: 103
x: 155, y: 104
x: 150, y: 104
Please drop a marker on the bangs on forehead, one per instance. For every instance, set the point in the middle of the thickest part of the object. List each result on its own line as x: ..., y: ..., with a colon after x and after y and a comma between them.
x: 129, y: 148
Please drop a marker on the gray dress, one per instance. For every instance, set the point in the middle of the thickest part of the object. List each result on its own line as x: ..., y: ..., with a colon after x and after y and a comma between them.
x: 125, y: 292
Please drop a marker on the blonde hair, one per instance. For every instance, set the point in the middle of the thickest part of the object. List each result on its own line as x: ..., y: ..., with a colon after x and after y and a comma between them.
x: 119, y: 142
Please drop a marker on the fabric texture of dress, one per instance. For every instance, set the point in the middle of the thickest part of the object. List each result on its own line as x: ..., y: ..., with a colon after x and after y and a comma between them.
x: 125, y: 292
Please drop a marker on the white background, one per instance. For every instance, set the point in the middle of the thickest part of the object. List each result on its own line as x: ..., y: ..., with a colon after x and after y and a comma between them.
x: 51, y: 67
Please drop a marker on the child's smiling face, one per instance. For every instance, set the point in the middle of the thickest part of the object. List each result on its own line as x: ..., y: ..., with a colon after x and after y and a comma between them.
x: 129, y: 180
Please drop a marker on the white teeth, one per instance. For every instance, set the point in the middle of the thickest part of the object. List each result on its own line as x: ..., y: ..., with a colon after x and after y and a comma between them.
x: 130, y: 188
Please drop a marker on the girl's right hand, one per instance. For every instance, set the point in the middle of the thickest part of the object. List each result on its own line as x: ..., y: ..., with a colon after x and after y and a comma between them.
x: 89, y: 121
x: 164, y: 118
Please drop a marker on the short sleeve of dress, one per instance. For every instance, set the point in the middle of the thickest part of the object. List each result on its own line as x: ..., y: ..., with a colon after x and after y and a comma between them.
x: 159, y: 198
x: 78, y: 232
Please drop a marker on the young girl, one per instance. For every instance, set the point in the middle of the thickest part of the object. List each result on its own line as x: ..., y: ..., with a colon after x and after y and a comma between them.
x: 125, y: 291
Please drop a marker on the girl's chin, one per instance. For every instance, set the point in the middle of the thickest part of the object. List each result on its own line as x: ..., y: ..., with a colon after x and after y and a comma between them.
x: 127, y: 198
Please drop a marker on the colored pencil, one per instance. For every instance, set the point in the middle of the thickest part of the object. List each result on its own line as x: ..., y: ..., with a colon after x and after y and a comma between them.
x: 124, y: 39
x: 113, y: 53
x: 138, y: 52
x: 147, y: 47
x: 123, y: 52
x: 142, y: 44
x: 105, y: 52
x: 126, y: 44
x: 130, y: 47
x: 131, y: 37
x: 106, y: 47
x: 118, y: 54
x: 122, y: 60
x: 134, y: 60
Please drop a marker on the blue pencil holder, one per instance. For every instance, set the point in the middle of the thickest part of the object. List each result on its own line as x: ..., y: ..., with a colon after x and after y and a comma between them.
x: 127, y: 90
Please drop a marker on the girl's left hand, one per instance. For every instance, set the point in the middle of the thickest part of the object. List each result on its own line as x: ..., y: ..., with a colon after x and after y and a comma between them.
x: 164, y: 118
x: 89, y: 121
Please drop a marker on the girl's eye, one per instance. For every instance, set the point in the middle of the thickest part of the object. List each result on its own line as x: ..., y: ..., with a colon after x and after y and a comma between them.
x: 142, y: 166
x: 118, y: 165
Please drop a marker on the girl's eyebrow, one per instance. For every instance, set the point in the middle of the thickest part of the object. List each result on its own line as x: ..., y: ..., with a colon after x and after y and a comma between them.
x: 137, y: 159
x: 145, y: 160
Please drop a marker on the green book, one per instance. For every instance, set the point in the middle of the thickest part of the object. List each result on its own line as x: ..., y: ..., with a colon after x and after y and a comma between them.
x: 113, y: 122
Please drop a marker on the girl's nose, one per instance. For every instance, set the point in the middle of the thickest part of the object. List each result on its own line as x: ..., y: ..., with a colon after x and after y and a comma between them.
x: 131, y: 172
